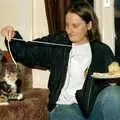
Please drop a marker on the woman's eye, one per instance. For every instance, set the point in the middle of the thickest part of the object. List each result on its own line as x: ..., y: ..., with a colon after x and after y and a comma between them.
x: 75, y: 26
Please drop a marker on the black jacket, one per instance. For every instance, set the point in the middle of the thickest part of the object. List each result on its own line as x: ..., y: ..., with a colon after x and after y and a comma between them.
x: 56, y: 59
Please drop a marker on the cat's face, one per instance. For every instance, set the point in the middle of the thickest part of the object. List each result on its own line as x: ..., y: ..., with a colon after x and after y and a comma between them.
x: 10, y: 73
x: 10, y: 76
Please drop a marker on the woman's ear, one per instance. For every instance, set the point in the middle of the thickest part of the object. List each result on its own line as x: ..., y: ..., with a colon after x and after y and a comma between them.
x: 89, y: 25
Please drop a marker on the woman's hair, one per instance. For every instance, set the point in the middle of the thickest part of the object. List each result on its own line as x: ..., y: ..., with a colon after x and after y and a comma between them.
x: 86, y: 12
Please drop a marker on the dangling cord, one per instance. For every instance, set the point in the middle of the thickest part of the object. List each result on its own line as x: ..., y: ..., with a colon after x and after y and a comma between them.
x: 11, y: 53
x: 41, y: 42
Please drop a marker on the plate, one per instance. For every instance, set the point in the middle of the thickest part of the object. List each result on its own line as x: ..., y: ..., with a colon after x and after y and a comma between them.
x: 4, y: 103
x: 105, y: 76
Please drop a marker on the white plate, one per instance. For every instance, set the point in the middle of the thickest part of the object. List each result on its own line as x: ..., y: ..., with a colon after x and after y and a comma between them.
x: 105, y: 76
x: 4, y: 103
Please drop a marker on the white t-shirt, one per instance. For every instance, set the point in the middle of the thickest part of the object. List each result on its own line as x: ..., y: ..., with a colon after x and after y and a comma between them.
x: 79, y: 60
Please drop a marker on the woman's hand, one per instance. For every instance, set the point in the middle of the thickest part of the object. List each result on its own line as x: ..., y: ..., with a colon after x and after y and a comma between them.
x: 8, y: 32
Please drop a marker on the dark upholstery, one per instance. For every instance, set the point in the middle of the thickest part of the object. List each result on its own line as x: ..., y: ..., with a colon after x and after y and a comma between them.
x: 32, y: 107
x: 34, y: 104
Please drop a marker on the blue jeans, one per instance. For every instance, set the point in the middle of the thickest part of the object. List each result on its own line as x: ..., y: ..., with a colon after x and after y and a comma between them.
x: 107, y: 107
x: 66, y: 112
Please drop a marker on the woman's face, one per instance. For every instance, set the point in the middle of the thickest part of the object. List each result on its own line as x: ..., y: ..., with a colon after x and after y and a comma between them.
x: 77, y: 28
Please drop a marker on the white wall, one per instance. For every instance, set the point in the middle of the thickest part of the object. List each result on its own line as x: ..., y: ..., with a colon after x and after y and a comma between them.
x: 105, y: 13
x: 40, y: 28
x: 17, y: 13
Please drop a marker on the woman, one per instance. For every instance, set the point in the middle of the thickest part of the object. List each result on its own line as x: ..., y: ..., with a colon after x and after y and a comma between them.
x: 72, y: 57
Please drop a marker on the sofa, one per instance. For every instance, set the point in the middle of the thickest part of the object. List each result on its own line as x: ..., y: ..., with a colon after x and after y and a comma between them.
x: 33, y: 106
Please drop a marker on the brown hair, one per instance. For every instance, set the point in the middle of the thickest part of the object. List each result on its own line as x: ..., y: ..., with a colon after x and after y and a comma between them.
x: 86, y: 12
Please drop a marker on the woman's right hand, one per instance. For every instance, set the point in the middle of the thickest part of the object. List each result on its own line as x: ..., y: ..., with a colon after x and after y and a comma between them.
x: 8, y: 32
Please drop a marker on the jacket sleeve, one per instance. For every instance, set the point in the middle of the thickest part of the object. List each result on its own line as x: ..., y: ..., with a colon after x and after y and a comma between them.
x: 31, y: 53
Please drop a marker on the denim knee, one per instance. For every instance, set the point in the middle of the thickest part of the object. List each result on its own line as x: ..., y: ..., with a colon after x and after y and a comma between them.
x: 107, y: 105
x: 110, y: 93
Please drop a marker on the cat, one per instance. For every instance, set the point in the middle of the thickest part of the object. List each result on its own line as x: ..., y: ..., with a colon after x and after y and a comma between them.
x: 12, y: 80
x: 10, y: 85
